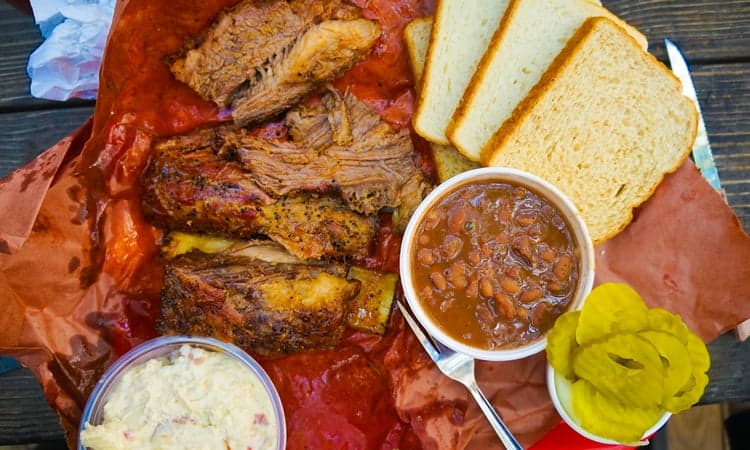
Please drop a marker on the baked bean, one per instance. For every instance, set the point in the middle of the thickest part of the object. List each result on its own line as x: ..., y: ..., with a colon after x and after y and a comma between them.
x: 451, y: 247
x: 510, y: 285
x: 513, y: 272
x: 445, y: 305
x: 438, y: 280
x: 486, y: 249
x: 504, y: 306
x: 457, y: 274
x: 522, y: 246
x: 431, y: 220
x: 505, y: 215
x: 485, y: 287
x: 426, y: 293
x: 526, y: 218
x: 529, y: 295
x: 474, y: 257
x: 483, y: 315
x: 497, y: 245
x: 546, y: 253
x: 534, y: 231
x: 456, y: 218
x: 538, y: 313
x: 425, y: 257
x: 472, y: 290
x: 563, y: 267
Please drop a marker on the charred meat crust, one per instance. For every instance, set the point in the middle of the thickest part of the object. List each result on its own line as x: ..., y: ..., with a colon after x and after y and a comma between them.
x: 197, y: 191
x: 269, y: 308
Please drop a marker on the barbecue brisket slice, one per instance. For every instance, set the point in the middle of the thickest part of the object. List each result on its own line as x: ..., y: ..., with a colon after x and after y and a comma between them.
x: 270, y: 308
x: 261, y: 57
x: 188, y: 187
x: 340, y: 145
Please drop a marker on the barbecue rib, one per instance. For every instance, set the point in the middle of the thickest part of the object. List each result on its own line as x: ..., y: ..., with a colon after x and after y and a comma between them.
x: 270, y: 308
x: 187, y: 186
x: 261, y: 57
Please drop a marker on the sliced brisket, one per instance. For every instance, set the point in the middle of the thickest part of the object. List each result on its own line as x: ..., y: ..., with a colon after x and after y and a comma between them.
x: 340, y: 145
x: 261, y: 57
x: 188, y: 187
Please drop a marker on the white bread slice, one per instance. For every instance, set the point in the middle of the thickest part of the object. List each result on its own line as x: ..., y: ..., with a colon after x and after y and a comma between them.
x: 605, y: 124
x: 448, y: 162
x: 531, y: 35
x: 461, y: 32
x: 417, y: 38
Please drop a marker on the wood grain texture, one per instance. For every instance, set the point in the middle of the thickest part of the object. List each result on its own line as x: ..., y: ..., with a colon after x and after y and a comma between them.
x: 19, y: 37
x: 699, y: 428
x: 728, y: 375
x: 25, y: 415
x: 23, y: 135
x: 707, y: 30
x: 724, y: 95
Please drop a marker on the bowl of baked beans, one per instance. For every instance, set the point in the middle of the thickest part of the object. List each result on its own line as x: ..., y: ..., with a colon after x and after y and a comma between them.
x: 491, y: 258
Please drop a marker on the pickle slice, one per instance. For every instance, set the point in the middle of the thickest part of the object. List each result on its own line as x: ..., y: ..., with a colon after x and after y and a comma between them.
x: 561, y: 343
x: 663, y: 320
x: 674, y: 357
x: 625, y: 367
x: 611, y: 308
x: 606, y: 417
x: 683, y: 400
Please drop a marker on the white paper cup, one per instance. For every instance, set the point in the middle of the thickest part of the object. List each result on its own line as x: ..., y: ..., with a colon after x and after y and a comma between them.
x: 560, y: 391
x: 514, y: 177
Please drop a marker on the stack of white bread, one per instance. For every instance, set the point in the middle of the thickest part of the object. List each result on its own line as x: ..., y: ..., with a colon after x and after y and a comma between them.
x: 560, y: 88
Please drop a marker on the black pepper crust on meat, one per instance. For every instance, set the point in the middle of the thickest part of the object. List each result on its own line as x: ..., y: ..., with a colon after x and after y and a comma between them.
x: 189, y: 187
x: 269, y: 308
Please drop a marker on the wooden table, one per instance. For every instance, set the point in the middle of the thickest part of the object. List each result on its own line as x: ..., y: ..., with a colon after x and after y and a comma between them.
x: 714, y: 35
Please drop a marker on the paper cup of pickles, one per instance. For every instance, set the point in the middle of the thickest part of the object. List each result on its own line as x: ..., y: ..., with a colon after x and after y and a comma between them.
x: 618, y: 370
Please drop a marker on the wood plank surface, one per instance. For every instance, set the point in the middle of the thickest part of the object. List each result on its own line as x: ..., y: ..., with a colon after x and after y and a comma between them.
x: 728, y: 375
x: 699, y: 428
x: 19, y: 36
x: 707, y: 30
x: 23, y: 135
x: 25, y: 415
x: 724, y: 95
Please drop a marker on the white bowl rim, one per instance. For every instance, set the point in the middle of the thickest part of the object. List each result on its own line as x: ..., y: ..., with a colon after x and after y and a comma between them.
x: 552, y: 389
x: 499, y: 174
x: 118, y: 368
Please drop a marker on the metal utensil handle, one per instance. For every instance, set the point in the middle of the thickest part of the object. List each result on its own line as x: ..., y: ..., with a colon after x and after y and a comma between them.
x: 494, y: 419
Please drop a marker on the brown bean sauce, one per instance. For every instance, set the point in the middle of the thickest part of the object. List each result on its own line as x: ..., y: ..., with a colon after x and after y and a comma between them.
x: 494, y: 264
